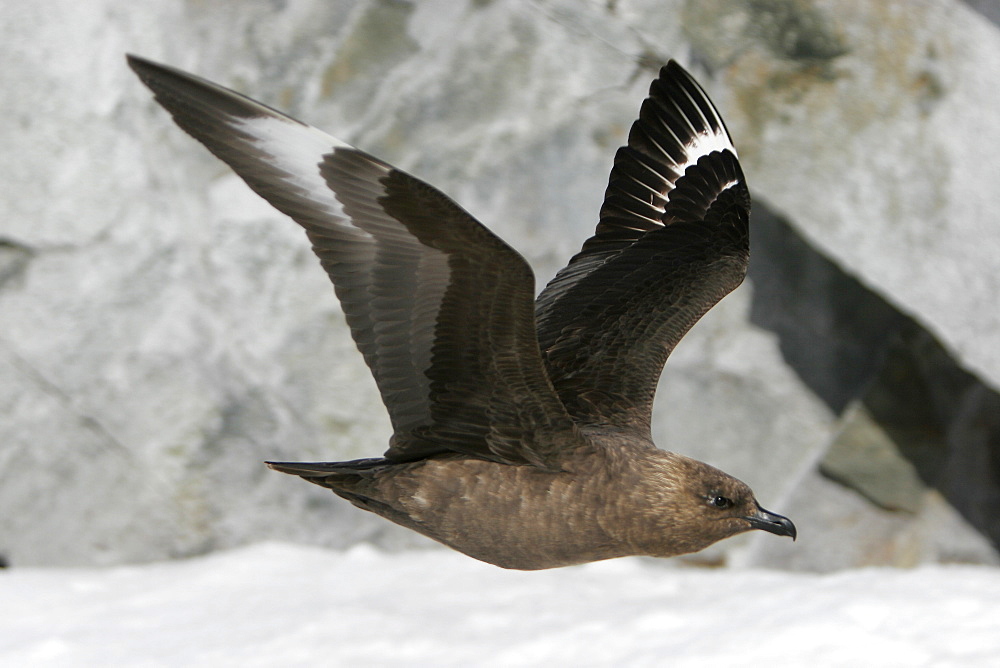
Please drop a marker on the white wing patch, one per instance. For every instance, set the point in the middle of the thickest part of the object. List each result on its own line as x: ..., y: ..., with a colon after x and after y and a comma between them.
x: 727, y: 185
x: 707, y: 142
x: 295, y: 150
x: 703, y: 128
x: 701, y: 143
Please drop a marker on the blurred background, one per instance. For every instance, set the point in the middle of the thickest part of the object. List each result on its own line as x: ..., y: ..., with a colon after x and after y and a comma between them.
x: 163, y: 331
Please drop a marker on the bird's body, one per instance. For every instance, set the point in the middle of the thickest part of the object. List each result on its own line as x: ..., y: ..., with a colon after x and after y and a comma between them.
x: 614, y: 499
x: 521, y: 427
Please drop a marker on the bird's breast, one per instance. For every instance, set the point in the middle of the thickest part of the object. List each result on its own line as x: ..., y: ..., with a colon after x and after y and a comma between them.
x: 512, y: 516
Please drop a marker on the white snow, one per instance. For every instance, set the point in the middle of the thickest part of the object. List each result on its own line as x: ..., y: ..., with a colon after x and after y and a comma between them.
x: 287, y: 605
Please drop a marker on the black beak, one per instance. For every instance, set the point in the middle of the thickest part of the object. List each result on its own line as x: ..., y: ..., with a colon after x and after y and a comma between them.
x: 772, y: 523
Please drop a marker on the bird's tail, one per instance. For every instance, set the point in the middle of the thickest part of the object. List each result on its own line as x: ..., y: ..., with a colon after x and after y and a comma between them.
x: 353, y: 480
x: 309, y: 470
x: 353, y: 477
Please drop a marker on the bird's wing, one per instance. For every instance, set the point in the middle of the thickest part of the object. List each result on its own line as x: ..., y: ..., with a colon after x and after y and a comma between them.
x: 441, y: 308
x: 672, y: 240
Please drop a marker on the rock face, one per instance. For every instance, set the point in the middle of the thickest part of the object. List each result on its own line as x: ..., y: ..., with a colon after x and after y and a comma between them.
x: 162, y: 331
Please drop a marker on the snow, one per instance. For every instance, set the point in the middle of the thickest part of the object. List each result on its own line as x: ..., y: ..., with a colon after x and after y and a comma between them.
x: 276, y: 604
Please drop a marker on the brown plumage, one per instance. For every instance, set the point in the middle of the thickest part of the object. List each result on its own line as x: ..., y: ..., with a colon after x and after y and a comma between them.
x: 521, y: 426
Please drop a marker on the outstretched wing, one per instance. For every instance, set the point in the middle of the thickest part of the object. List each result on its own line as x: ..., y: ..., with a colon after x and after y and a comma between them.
x: 673, y: 239
x: 441, y: 308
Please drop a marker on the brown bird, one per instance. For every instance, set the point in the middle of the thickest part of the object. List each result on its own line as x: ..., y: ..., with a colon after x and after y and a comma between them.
x: 521, y: 426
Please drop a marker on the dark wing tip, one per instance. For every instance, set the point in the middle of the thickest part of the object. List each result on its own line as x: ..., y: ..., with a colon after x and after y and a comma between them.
x: 151, y: 72
x: 169, y: 83
x: 140, y: 63
x: 674, y: 74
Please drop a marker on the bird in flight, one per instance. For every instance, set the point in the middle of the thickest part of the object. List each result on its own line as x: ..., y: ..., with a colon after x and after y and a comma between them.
x: 521, y: 426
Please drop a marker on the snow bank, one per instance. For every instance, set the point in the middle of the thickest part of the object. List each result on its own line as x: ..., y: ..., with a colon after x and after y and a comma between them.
x: 278, y: 604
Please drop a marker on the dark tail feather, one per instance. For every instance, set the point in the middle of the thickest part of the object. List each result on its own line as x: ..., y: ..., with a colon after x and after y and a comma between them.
x: 323, y: 469
x: 354, y: 481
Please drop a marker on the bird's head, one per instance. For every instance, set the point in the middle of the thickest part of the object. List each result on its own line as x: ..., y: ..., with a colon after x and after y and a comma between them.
x: 695, y: 505
x: 730, y: 503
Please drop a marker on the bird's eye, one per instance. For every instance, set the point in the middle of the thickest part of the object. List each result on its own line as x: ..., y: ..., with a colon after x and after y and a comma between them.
x: 721, y: 501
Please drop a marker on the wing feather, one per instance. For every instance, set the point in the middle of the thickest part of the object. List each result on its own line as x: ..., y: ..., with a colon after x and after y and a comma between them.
x: 672, y: 240
x: 440, y: 308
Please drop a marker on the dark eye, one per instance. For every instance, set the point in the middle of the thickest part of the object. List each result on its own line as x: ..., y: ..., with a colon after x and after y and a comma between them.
x: 721, y: 501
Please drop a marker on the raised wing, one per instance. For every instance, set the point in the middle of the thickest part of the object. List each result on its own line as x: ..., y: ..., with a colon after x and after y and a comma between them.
x: 673, y: 239
x: 441, y: 308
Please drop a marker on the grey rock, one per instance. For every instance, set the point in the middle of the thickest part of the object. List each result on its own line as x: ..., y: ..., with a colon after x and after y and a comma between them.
x: 850, y: 532
x: 863, y: 457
